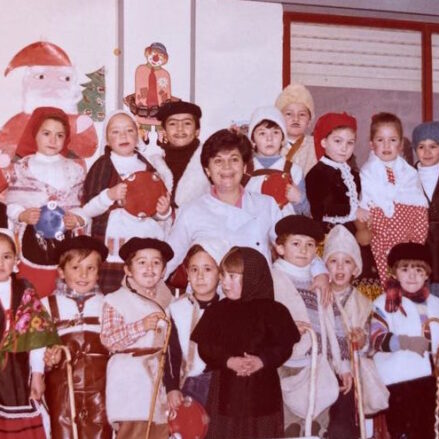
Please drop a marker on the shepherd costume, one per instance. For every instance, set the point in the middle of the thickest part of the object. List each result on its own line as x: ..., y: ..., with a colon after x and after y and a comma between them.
x: 302, y: 149
x: 133, y: 367
x: 188, y: 180
x: 397, y: 323
x: 77, y: 318
x: 34, y: 181
x: 250, y: 406
x: 262, y: 173
x: 112, y: 224
x: 25, y: 327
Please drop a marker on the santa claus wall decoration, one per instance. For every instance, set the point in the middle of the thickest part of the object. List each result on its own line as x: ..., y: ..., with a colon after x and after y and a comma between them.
x: 49, y: 80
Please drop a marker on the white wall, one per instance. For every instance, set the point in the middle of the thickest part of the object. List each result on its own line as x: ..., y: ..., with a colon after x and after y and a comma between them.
x: 165, y: 21
x: 238, y: 59
x: 84, y: 29
x: 237, y: 54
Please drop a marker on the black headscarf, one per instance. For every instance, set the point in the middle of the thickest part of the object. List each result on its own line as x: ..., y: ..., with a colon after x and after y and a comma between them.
x: 257, y: 282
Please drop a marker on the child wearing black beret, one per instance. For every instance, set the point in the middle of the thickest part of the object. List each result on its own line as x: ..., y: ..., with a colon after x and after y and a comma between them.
x: 403, y: 340
x: 296, y: 244
x: 134, y: 329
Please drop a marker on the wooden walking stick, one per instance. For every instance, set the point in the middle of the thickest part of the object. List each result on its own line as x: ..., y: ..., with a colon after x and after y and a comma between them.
x: 312, y: 384
x: 436, y: 373
x: 355, y: 361
x: 159, y: 375
x: 69, y: 370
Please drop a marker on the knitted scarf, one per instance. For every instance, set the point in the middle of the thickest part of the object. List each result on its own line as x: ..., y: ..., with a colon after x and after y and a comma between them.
x: 177, y: 159
x: 394, y: 295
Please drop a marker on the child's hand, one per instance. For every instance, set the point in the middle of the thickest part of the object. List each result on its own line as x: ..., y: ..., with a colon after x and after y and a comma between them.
x: 363, y: 215
x: 118, y: 192
x: 358, y: 336
x: 175, y: 399
x: 37, y: 386
x: 346, y: 383
x: 302, y: 327
x: 30, y: 216
x: 253, y: 363
x: 321, y: 282
x: 238, y: 365
x: 71, y: 221
x: 293, y: 193
x: 163, y: 204
x: 150, y: 321
x: 52, y: 356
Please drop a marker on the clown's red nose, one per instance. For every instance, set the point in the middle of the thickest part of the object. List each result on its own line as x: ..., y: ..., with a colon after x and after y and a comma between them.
x: 156, y: 57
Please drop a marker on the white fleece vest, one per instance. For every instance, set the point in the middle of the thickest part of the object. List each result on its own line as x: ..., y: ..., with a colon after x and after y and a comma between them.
x: 405, y: 365
x: 186, y: 313
x: 130, y: 379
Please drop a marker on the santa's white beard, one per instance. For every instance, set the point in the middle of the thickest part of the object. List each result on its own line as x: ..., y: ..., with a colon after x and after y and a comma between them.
x: 64, y: 99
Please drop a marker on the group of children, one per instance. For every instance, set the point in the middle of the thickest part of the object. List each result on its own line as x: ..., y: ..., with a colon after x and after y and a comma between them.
x: 246, y: 232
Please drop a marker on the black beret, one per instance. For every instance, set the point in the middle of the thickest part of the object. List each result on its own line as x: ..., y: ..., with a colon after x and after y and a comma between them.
x: 82, y: 242
x: 300, y: 225
x: 409, y: 251
x: 135, y: 244
x: 178, y: 107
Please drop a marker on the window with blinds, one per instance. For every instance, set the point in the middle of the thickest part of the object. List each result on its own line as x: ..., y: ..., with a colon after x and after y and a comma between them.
x: 357, y: 57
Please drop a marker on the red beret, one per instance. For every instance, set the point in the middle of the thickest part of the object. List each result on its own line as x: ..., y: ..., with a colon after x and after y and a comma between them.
x: 328, y: 123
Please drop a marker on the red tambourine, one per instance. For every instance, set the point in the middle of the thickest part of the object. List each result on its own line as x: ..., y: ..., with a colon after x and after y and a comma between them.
x: 275, y: 185
x: 144, y: 188
x: 190, y: 421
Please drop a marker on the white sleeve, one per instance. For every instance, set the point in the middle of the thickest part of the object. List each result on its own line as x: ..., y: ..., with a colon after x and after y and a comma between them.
x: 13, y: 211
x: 276, y: 215
x: 36, y: 360
x: 96, y: 206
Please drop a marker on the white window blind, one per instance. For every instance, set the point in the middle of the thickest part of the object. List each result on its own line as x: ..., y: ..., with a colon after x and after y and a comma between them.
x: 356, y: 57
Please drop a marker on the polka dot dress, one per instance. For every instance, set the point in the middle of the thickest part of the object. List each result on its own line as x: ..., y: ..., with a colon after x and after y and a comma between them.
x: 408, y: 223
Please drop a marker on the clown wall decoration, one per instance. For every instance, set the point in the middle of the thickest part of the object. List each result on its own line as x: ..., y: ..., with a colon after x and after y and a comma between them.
x: 153, y: 89
x: 50, y: 79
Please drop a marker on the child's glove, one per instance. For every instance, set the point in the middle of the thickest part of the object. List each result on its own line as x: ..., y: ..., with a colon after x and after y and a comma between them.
x: 417, y: 344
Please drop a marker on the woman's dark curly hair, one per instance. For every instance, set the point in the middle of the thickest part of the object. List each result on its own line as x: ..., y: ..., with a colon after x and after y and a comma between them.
x: 226, y: 140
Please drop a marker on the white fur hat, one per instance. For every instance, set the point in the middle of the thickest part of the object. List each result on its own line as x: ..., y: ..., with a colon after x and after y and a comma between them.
x: 268, y: 113
x: 216, y: 247
x: 296, y: 93
x: 339, y: 239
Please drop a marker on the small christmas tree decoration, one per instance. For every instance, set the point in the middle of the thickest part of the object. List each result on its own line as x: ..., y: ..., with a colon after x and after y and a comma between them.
x: 92, y: 103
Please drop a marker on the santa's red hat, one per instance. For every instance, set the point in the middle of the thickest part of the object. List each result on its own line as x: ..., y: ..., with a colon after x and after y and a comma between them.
x: 40, y: 53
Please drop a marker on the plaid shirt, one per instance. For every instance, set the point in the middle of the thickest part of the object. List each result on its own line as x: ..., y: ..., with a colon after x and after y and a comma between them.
x: 117, y: 335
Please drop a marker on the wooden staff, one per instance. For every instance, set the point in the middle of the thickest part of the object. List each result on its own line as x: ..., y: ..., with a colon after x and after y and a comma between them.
x: 355, y: 362
x: 436, y: 373
x: 69, y: 371
x: 159, y: 375
x: 312, y: 385
x: 313, y: 379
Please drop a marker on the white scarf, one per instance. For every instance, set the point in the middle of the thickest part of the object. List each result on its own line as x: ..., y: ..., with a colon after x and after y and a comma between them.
x: 377, y: 191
